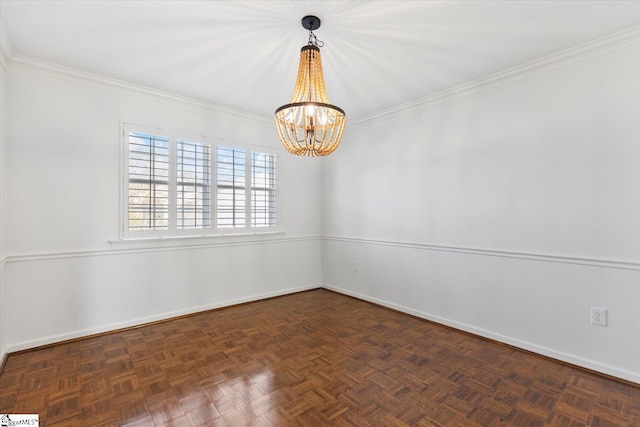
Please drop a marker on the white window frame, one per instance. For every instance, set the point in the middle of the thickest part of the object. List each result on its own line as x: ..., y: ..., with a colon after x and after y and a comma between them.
x: 247, y: 177
x: 270, y: 185
x: 213, y: 229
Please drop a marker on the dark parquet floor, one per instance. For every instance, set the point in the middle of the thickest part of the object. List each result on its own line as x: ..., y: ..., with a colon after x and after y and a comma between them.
x: 311, y: 359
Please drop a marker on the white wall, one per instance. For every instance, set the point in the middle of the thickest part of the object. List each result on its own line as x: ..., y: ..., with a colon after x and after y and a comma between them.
x: 63, y: 278
x: 2, y: 184
x: 508, y: 209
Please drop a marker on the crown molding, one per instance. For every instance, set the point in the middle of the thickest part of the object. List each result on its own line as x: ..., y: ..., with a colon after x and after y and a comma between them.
x: 586, y: 51
x: 26, y: 63
x: 5, y: 46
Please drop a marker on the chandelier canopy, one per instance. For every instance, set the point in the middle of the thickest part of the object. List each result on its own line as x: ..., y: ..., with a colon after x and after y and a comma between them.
x: 309, y: 125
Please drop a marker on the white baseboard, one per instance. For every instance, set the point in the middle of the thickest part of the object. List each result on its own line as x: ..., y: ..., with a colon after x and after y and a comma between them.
x: 25, y: 345
x: 554, y: 354
x: 558, y: 355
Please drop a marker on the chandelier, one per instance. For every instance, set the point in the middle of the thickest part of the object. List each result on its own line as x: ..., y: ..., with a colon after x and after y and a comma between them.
x: 309, y: 125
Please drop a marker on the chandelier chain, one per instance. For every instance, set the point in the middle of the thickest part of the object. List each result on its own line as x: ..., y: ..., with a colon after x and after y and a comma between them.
x: 313, y: 40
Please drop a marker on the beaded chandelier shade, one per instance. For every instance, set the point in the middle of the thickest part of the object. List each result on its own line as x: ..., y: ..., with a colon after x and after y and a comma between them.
x: 310, y: 125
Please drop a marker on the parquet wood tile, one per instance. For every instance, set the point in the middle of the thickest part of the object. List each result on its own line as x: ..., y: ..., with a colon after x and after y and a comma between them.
x: 309, y: 359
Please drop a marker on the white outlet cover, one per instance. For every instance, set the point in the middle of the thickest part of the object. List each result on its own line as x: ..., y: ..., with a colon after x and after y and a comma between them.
x: 598, y: 316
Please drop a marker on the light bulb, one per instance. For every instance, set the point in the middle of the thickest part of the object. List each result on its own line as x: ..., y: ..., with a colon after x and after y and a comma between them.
x: 310, y: 110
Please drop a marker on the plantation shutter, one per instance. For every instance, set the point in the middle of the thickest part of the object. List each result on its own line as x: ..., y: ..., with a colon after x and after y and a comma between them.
x: 231, y: 193
x: 148, y: 182
x: 193, y: 167
x: 263, y: 189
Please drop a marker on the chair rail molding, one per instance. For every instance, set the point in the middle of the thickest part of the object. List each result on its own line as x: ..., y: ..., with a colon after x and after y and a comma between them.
x: 543, y: 257
x: 160, y: 245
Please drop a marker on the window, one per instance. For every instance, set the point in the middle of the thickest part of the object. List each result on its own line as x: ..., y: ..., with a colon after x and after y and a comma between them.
x: 148, y: 182
x: 263, y: 189
x: 192, y: 186
x: 231, y: 196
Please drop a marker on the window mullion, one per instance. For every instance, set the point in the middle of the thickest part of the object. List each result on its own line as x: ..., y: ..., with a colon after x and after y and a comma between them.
x: 247, y: 190
x: 234, y: 165
x: 214, y: 188
x: 213, y: 183
x: 173, y: 185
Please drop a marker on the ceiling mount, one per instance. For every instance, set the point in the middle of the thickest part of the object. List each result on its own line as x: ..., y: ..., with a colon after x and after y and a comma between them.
x: 311, y: 22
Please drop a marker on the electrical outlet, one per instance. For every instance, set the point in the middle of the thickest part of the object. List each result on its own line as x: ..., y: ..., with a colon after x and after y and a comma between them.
x: 598, y: 316
x: 356, y: 265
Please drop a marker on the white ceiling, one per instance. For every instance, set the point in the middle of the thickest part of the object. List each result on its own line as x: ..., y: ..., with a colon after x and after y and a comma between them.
x: 244, y: 54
